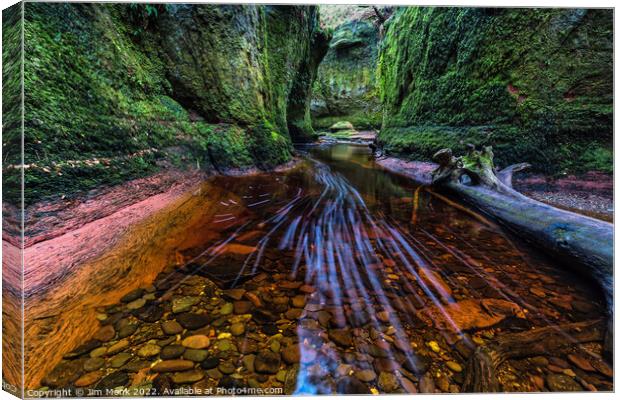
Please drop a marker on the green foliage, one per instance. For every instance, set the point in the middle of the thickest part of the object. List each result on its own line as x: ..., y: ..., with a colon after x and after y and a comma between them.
x: 538, y: 79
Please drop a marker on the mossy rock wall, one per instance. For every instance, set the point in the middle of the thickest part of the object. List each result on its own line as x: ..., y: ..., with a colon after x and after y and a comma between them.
x: 345, y: 88
x: 115, y: 91
x: 534, y: 83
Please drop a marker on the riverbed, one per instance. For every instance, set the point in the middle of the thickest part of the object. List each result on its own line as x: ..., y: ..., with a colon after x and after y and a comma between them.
x: 332, y: 276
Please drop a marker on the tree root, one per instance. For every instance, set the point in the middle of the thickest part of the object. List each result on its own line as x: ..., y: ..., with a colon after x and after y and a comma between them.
x: 480, y: 370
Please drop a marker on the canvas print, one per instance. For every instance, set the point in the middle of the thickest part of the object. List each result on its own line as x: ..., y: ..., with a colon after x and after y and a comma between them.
x: 306, y: 199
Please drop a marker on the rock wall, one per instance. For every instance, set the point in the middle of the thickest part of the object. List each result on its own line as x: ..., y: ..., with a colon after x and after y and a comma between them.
x: 345, y: 88
x: 534, y: 83
x: 116, y: 91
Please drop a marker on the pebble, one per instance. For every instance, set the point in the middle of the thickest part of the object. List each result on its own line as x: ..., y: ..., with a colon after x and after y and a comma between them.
x: 291, y: 354
x: 149, y: 350
x: 196, y: 342
x: 214, y: 373
x: 63, y: 374
x: 237, y: 329
x: 195, y: 355
x: 298, y: 301
x: 341, y: 337
x: 433, y: 345
x: 281, y: 376
x: 248, y: 362
x: 119, y: 360
x: 408, y: 386
x: 227, y: 309
x: 88, y: 379
x: 387, y: 382
x: 366, y: 375
x: 93, y: 364
x: 293, y: 313
x: 267, y: 362
x: 98, y: 352
x: 173, y: 366
x: 210, y: 363
x: 136, y: 304
x: 562, y: 383
x: 171, y: 327
x: 602, y: 367
x: 127, y: 330
x: 454, y: 366
x: 118, y: 347
x: 193, y: 321
x: 383, y: 316
x: 351, y: 385
x: 254, y: 299
x: 184, y: 304
x: 105, y: 334
x: 427, y: 384
x: 171, y: 352
x: 188, y: 376
x: 113, y: 380
x: 275, y: 346
x: 581, y: 362
x: 242, y: 307
x: 227, y: 367
x: 234, y: 294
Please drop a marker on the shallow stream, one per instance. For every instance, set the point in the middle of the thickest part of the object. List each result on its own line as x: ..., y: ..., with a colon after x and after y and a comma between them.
x: 334, y: 276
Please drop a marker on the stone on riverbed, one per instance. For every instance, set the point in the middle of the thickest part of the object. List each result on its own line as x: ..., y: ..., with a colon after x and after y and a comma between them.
x: 173, y: 366
x: 119, y: 360
x: 171, y: 327
x: 184, y: 304
x: 187, y: 376
x: 351, y: 385
x: 267, y: 362
x: 63, y: 374
x: 105, y: 334
x: 562, y: 383
x: 88, y: 379
x: 193, y: 321
x: 93, y: 364
x: 387, y: 382
x: 149, y: 350
x: 172, y: 351
x: 196, y: 342
x: 115, y: 379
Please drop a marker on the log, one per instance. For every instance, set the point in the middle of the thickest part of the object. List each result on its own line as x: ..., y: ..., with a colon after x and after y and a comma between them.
x: 586, y: 244
x: 480, y: 370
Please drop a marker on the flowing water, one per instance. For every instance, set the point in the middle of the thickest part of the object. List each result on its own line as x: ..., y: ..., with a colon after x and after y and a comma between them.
x: 334, y: 276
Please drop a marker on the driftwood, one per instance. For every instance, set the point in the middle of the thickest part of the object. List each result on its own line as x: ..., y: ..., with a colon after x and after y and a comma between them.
x: 480, y: 372
x: 586, y: 244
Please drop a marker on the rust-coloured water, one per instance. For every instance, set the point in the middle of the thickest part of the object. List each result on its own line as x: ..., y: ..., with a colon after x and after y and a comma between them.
x: 340, y: 224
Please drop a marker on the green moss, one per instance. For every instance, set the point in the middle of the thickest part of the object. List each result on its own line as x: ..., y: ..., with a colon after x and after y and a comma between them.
x: 12, y: 25
x: 103, y: 82
x: 538, y: 79
x: 346, y: 86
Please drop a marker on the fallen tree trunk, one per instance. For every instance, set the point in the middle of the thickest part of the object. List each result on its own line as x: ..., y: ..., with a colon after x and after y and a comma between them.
x: 480, y: 373
x: 586, y: 244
